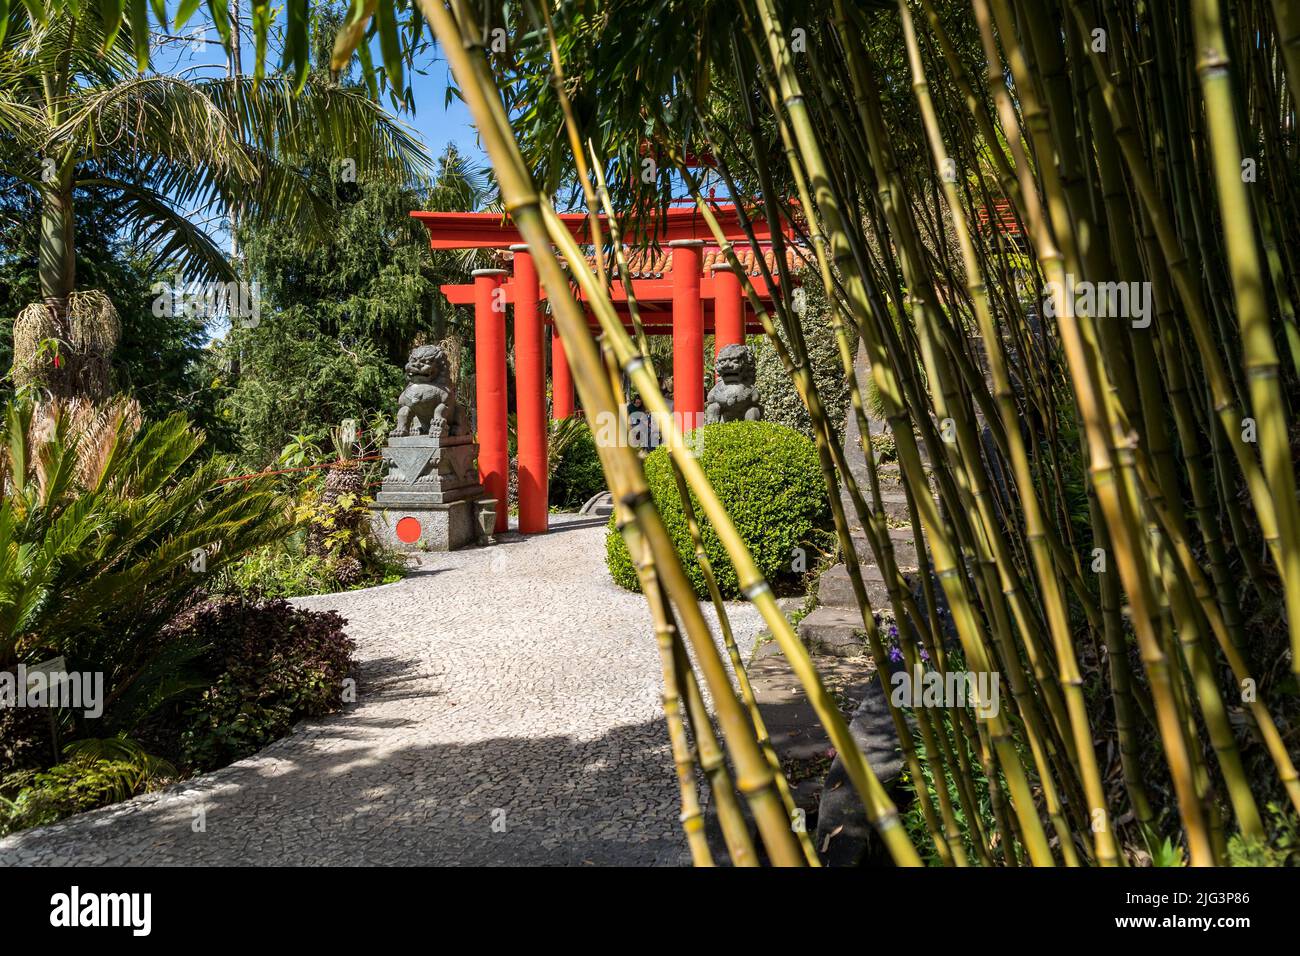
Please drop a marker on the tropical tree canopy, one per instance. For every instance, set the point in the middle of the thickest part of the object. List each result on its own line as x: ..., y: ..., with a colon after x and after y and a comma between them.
x: 174, y: 153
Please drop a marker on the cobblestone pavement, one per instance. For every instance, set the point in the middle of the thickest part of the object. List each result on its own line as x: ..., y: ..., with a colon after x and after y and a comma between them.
x: 508, y: 713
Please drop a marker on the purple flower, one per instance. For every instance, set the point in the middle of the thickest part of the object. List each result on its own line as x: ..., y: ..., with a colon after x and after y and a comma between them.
x: 895, y: 655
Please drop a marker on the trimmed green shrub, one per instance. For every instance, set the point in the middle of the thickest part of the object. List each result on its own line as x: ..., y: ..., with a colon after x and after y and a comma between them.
x: 578, y: 475
x: 768, y: 478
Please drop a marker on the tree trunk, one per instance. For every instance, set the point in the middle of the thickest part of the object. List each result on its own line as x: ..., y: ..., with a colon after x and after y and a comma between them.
x: 57, y: 270
x: 58, y: 258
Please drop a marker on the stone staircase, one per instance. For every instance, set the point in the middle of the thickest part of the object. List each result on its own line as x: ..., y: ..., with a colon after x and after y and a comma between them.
x: 834, y: 626
x: 834, y: 634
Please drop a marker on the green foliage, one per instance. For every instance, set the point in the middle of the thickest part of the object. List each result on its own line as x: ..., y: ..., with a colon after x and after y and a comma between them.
x: 275, y: 664
x: 294, y: 379
x: 96, y: 772
x: 25, y: 741
x: 873, y: 401
x: 374, y: 282
x: 330, y: 548
x: 285, y: 569
x: 884, y: 448
x: 117, y: 532
x: 768, y: 478
x: 578, y: 474
x: 1282, y: 850
x: 192, y: 140
x: 914, y: 816
x: 780, y: 400
x: 338, y: 319
x: 276, y: 571
x: 1167, y: 854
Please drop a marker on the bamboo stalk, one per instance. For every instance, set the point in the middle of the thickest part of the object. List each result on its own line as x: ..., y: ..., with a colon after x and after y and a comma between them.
x: 1107, y: 851
x: 1260, y: 355
x: 1104, y: 480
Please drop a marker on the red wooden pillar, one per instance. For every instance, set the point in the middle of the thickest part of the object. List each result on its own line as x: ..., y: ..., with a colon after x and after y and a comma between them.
x: 688, y: 333
x: 561, y: 379
x: 490, y: 388
x: 530, y: 395
x: 728, y: 308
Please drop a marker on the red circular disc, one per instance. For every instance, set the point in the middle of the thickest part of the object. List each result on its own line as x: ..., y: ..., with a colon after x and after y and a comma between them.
x: 408, y: 530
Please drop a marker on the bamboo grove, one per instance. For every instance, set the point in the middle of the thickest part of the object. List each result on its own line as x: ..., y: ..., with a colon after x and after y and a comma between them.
x: 1108, y: 502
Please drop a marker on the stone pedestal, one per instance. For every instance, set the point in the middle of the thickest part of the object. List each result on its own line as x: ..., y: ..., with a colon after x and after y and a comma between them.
x: 433, y: 527
x: 427, y: 500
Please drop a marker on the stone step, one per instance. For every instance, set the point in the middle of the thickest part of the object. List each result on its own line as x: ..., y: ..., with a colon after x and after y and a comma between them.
x: 902, y: 539
x: 844, y: 835
x: 600, y: 504
x: 894, y: 505
x: 801, y: 742
x: 836, y: 631
x: 890, y: 478
x: 904, y: 550
x: 835, y: 589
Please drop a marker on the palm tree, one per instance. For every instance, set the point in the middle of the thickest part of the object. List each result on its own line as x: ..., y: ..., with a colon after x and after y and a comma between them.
x: 76, y: 117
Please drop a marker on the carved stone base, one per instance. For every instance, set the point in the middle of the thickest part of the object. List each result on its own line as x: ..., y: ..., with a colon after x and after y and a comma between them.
x: 427, y: 527
x: 405, y: 498
x: 428, y: 468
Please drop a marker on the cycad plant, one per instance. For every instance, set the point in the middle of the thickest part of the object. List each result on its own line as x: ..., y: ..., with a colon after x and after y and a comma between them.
x: 107, y: 530
x: 1153, y: 363
x: 338, y: 533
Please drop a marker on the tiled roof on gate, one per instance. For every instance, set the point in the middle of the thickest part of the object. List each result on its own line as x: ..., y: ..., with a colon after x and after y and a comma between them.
x: 656, y: 263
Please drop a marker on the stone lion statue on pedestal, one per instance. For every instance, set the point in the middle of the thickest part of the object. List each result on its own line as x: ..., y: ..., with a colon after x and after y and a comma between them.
x: 733, y: 397
x: 428, y: 406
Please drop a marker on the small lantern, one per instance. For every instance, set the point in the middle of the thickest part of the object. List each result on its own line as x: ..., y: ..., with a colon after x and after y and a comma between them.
x: 486, y: 509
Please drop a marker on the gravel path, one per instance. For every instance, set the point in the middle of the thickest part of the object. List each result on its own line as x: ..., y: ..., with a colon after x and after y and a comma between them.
x: 508, y: 713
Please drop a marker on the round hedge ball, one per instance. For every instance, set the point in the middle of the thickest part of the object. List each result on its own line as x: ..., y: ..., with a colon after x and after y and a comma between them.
x: 768, y: 478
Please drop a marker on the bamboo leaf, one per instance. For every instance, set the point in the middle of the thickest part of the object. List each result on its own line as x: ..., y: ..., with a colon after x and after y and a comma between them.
x: 350, y: 38
x: 220, y: 13
x: 368, y: 70
x: 390, y: 46
x: 113, y: 13
x: 138, y: 12
x: 185, y: 11
x: 36, y: 9
x: 296, y: 52
x: 261, y: 26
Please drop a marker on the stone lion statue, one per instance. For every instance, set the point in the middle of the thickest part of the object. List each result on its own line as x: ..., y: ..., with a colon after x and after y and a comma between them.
x: 733, y: 397
x: 427, y: 406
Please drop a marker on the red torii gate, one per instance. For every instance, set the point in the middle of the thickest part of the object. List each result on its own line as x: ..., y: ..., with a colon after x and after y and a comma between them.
x: 685, y: 290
